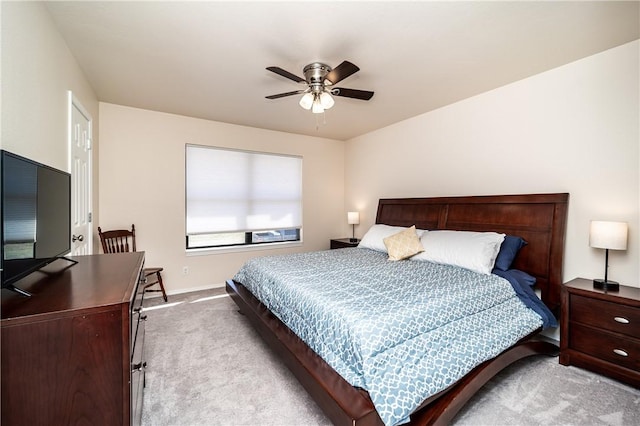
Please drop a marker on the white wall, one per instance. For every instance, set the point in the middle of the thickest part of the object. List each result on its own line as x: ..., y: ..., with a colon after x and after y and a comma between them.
x: 37, y: 72
x: 142, y: 182
x: 572, y: 129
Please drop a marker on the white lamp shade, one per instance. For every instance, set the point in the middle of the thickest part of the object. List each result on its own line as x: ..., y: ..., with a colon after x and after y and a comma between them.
x: 306, y: 101
x: 317, y: 106
x: 608, y: 235
x: 353, y: 218
x: 326, y: 100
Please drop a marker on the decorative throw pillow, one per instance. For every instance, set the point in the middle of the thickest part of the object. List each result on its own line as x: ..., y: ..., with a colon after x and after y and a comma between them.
x: 374, y: 238
x: 404, y: 244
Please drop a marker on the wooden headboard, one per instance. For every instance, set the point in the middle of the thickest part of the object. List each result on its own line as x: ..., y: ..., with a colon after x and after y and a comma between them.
x: 538, y: 218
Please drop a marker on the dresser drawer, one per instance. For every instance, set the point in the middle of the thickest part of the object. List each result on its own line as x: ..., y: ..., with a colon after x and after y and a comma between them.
x: 620, y: 350
x: 606, y: 315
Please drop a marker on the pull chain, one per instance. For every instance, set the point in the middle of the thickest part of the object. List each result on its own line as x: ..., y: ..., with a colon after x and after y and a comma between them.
x: 324, y: 119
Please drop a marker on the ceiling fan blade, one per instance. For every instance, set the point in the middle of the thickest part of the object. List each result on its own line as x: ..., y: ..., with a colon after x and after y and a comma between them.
x: 282, y: 95
x: 364, y: 95
x: 286, y: 74
x: 342, y: 71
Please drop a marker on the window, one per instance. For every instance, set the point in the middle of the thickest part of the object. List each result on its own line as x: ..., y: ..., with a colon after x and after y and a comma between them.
x: 236, y: 198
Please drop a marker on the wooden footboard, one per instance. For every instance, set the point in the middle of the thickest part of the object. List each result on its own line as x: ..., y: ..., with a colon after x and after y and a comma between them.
x: 345, y: 405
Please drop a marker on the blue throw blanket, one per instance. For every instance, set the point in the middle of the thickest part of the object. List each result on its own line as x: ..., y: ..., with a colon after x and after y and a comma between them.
x: 403, y: 331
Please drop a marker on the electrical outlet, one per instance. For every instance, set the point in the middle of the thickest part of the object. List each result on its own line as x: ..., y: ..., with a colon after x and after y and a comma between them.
x: 185, y: 270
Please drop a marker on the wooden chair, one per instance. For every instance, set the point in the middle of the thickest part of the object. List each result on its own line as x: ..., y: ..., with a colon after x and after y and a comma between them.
x: 122, y: 241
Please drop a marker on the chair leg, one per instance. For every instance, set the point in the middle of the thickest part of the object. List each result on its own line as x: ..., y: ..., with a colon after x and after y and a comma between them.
x: 164, y: 294
x: 157, y: 281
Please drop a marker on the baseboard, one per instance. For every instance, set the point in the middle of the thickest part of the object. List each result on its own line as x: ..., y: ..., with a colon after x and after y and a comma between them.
x: 186, y: 290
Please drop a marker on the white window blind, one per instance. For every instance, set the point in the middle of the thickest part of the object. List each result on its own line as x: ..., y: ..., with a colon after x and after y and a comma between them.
x: 241, y: 191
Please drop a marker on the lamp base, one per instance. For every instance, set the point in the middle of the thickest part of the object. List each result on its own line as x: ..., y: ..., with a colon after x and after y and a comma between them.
x: 606, y: 285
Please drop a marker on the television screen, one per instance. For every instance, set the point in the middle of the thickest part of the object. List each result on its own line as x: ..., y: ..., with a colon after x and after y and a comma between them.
x: 36, y: 216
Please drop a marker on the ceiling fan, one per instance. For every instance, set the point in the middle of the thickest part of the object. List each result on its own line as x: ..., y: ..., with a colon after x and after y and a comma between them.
x: 320, y: 79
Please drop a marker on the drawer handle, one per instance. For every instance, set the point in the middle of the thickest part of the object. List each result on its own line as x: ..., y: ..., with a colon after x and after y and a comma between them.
x: 620, y: 352
x: 138, y: 309
x: 621, y: 320
x: 143, y: 317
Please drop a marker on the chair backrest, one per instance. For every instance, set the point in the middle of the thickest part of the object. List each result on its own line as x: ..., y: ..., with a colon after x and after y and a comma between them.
x: 118, y: 241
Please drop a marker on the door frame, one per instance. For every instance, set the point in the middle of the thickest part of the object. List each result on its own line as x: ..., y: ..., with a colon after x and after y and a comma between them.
x: 75, y: 102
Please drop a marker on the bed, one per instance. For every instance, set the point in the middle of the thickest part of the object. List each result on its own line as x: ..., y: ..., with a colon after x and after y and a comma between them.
x: 540, y: 219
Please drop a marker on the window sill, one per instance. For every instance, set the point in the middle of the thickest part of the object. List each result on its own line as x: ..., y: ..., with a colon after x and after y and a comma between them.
x: 240, y: 249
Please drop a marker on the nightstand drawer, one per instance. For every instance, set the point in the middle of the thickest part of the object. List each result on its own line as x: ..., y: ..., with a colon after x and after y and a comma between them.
x: 607, y: 346
x: 606, y: 315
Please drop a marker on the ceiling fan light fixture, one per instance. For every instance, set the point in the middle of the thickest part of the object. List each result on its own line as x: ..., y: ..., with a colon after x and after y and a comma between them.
x: 326, y: 100
x: 319, y: 78
x: 306, y: 101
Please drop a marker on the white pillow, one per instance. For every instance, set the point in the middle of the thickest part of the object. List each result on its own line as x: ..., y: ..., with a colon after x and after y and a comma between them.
x: 374, y: 238
x: 471, y: 250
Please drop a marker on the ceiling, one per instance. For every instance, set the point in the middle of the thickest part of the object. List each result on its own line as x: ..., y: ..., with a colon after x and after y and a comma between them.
x: 208, y: 59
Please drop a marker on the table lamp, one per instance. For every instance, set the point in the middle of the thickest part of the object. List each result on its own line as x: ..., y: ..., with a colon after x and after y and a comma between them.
x: 609, y: 236
x: 353, y: 219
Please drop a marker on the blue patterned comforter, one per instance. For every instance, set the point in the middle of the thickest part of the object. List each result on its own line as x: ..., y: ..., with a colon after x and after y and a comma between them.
x: 403, y: 331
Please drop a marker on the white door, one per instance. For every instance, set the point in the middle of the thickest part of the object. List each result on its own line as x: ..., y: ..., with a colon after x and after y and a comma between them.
x: 80, y: 142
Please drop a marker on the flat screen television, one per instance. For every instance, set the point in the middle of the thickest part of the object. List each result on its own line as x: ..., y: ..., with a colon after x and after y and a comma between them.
x: 36, y: 217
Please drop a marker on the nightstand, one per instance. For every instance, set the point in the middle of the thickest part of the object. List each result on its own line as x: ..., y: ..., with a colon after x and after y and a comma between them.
x: 600, y: 331
x: 343, y: 243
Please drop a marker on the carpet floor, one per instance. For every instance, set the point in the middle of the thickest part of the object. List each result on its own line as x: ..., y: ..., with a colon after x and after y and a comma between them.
x: 208, y: 366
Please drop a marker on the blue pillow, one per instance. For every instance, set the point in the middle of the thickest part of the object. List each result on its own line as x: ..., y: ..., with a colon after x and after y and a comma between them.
x: 508, y: 252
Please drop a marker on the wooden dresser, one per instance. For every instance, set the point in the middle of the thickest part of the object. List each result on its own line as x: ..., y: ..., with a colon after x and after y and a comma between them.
x: 600, y: 331
x: 73, y: 352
